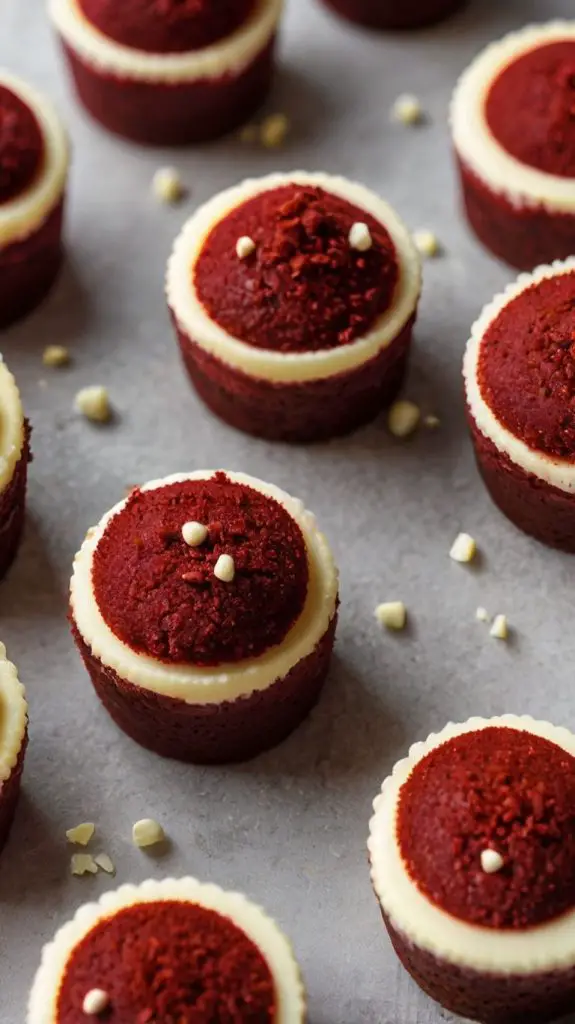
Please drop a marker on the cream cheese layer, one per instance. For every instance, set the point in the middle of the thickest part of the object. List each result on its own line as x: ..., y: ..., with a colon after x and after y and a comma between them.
x: 12, y: 426
x: 13, y: 716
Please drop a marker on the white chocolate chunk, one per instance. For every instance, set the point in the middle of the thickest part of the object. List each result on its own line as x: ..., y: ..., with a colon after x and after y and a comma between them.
x: 407, y: 109
x: 194, y: 533
x: 463, y: 548
x: 83, y: 864
x: 80, y: 835
x: 245, y: 246
x: 360, y: 237
x: 167, y: 185
x: 426, y: 243
x: 491, y: 861
x: 147, y: 832
x: 499, y: 629
x: 225, y: 568
x: 273, y: 130
x: 403, y: 418
x: 94, y: 403
x: 105, y: 863
x: 95, y: 1002
x: 55, y: 355
x: 392, y: 615
x: 482, y: 615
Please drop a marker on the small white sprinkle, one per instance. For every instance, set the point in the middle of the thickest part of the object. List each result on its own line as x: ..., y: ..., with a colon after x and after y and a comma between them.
x: 407, y: 109
x: 83, y: 864
x: 273, y: 130
x: 426, y: 243
x: 432, y: 422
x: 245, y: 246
x: 499, y: 629
x: 491, y: 861
x: 80, y: 835
x: 105, y: 863
x: 95, y: 1002
x: 194, y: 533
x: 167, y: 185
x: 225, y: 568
x: 482, y: 615
x: 463, y: 548
x: 392, y: 615
x: 147, y: 832
x: 93, y: 403
x: 55, y: 355
x: 360, y: 237
x: 403, y: 418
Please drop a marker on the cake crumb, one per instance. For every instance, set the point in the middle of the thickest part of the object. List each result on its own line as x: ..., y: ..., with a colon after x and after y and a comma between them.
x: 499, y: 629
x: 83, y: 864
x: 93, y: 402
x: 167, y: 185
x: 225, y: 568
x: 274, y: 130
x: 245, y: 246
x: 407, y: 110
x: 392, y: 615
x: 147, y: 832
x: 426, y: 243
x: 194, y: 533
x: 403, y: 418
x: 360, y: 237
x: 81, y: 835
x: 491, y: 861
x: 432, y: 422
x: 463, y: 549
x: 95, y: 1002
x: 482, y: 615
x: 55, y: 355
x: 105, y: 863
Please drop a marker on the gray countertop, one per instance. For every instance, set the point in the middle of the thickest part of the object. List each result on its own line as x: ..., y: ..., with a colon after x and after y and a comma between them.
x: 290, y: 828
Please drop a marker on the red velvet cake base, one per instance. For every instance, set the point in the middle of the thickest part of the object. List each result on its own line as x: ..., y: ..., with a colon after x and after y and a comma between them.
x: 384, y: 14
x: 212, y: 733
x: 544, y: 512
x: 173, y: 115
x: 523, y: 236
x: 29, y: 268
x: 9, y: 794
x: 485, y: 997
x: 311, y: 411
x: 12, y: 511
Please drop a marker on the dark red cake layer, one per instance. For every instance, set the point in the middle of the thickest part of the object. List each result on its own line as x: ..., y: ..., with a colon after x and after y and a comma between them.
x: 526, y: 370
x: 10, y: 793
x: 173, y: 115
x: 13, y: 509
x: 29, y: 268
x: 389, y: 14
x: 169, y: 962
x: 161, y: 597
x: 304, y: 288
x: 493, y: 789
x: 530, y: 108
x: 21, y: 146
x: 167, y: 26
x: 311, y: 411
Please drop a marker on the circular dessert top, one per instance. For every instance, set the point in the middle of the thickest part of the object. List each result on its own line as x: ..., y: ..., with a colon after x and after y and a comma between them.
x: 12, y: 426
x: 201, y: 571
x: 168, y: 961
x: 167, y: 26
x: 21, y: 146
x: 302, y: 283
x: 499, y: 791
x: 13, y: 716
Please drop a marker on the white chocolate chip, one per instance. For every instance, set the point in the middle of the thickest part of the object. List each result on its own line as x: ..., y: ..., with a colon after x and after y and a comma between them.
x: 407, y: 109
x: 94, y: 403
x: 392, y: 615
x: 167, y: 185
x: 463, y: 548
x: 491, y: 861
x: 245, y: 246
x: 80, y: 835
x: 194, y: 533
x: 225, y: 568
x: 432, y: 422
x: 147, y: 832
x: 360, y: 237
x: 482, y: 615
x: 95, y: 1002
x: 83, y: 864
x: 55, y: 355
x: 403, y: 418
x: 426, y: 243
x: 273, y: 130
x: 499, y: 629
x: 105, y: 863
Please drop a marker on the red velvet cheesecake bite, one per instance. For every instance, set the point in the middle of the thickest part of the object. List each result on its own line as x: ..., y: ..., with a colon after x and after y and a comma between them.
x: 33, y: 173
x: 14, y: 459
x: 472, y: 849
x: 389, y: 14
x: 294, y: 298
x: 204, y: 607
x: 519, y: 372
x: 173, y: 73
x: 514, y: 137
x: 175, y: 950
x: 13, y: 742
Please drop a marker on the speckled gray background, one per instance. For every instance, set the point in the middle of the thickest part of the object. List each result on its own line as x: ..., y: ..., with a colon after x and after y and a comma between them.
x: 290, y: 828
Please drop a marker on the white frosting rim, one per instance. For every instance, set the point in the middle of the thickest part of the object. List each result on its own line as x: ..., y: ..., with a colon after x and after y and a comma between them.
x: 228, y: 56
x: 542, y: 948
x: 287, y: 367
x: 13, y: 716
x: 473, y: 140
x: 250, y: 918
x: 21, y: 215
x: 196, y: 684
x: 554, y: 471
x: 12, y: 426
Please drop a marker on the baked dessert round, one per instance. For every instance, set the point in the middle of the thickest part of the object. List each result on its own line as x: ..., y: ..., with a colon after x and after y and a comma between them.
x: 294, y: 297
x: 13, y: 742
x: 169, y: 74
x: 519, y: 371
x: 388, y: 14
x: 14, y: 459
x: 514, y: 139
x: 472, y: 849
x: 204, y: 607
x: 33, y: 174
x: 171, y: 950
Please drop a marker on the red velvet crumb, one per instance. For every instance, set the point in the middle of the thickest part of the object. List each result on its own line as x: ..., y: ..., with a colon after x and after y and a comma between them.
x: 21, y: 146
x: 304, y: 288
x: 527, y: 366
x: 530, y: 108
x: 499, y: 789
x: 161, y: 597
x: 167, y: 26
x: 169, y: 963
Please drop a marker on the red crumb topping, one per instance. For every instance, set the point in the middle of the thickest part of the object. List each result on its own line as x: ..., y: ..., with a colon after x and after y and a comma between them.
x: 499, y: 789
x: 161, y: 597
x: 527, y: 366
x: 304, y: 288
x: 530, y: 108
x: 167, y: 26
x: 169, y: 963
x: 21, y: 146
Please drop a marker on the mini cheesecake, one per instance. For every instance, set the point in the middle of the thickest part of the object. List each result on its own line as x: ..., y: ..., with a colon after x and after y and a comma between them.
x: 472, y: 849
x: 204, y: 607
x: 514, y: 139
x: 33, y: 173
x: 14, y: 459
x: 170, y: 73
x: 175, y: 950
x: 13, y: 742
x: 519, y: 373
x: 389, y: 14
x: 294, y: 298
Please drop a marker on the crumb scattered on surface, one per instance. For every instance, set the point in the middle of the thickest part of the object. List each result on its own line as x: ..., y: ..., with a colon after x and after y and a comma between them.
x: 225, y: 568
x: 81, y: 835
x: 147, y: 832
x: 482, y: 615
x: 499, y: 629
x: 426, y: 243
x: 93, y: 402
x: 245, y: 246
x: 491, y: 861
x: 392, y: 614
x: 360, y: 237
x: 95, y: 1002
x: 194, y: 533
x: 403, y: 418
x: 274, y: 130
x: 105, y: 863
x: 83, y: 864
x: 463, y: 549
x: 432, y: 422
x: 55, y: 355
x: 407, y: 110
x: 167, y: 185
